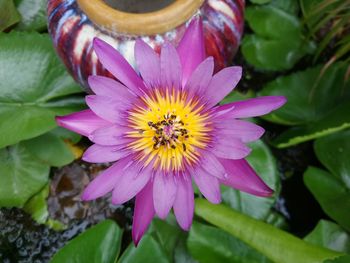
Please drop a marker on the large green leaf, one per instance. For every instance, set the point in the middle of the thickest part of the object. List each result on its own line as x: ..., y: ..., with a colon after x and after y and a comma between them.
x: 147, y: 251
x: 212, y: 245
x: 277, y: 43
x: 8, y: 14
x: 329, y: 235
x: 51, y: 149
x: 275, y: 244
x: 317, y: 103
x: 21, y: 175
x: 99, y: 244
x: 33, y: 87
x: 334, y: 151
x: 33, y: 14
x: 265, y: 165
x: 331, y: 193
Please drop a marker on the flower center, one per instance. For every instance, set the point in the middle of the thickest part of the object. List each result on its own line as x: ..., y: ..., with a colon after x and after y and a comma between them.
x: 169, y: 130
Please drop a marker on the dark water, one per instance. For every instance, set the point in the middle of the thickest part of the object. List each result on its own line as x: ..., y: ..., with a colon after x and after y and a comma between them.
x: 138, y: 6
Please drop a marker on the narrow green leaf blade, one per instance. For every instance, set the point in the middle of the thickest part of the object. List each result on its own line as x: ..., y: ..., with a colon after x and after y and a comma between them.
x: 212, y: 245
x: 275, y: 244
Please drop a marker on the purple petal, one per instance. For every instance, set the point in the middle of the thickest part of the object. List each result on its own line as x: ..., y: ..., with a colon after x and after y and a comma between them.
x: 103, y: 154
x: 108, y: 87
x: 143, y: 212
x: 191, y: 48
x: 107, y: 108
x: 170, y: 67
x: 184, y: 203
x: 243, y: 130
x: 253, y: 107
x: 148, y: 63
x: 230, y: 149
x: 110, y: 135
x: 222, y: 84
x: 211, y: 164
x: 208, y: 185
x: 82, y: 122
x: 115, y: 63
x: 241, y: 176
x: 105, y: 182
x: 132, y: 181
x: 200, y: 78
x: 164, y: 193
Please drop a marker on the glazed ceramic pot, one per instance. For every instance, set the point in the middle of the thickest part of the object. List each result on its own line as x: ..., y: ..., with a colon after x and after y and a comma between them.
x: 73, y: 24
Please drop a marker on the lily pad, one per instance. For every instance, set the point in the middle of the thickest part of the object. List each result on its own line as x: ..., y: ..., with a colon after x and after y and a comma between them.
x: 100, y: 243
x: 334, y: 151
x: 316, y: 104
x: 331, y: 193
x: 332, y: 189
x: 212, y: 245
x: 264, y: 164
x: 50, y: 149
x: 8, y: 14
x: 329, y: 235
x: 22, y: 175
x: 33, y: 14
x: 147, y: 251
x: 29, y: 103
x: 278, y: 42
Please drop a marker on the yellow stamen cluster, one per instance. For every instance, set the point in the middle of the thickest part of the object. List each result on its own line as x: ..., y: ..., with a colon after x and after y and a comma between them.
x: 168, y: 129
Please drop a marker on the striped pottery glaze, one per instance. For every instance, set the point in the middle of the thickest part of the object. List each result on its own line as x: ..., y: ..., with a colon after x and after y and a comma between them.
x: 72, y: 32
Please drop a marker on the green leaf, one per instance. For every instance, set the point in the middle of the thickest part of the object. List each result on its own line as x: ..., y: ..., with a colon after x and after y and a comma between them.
x: 316, y: 104
x: 99, y: 244
x: 212, y: 245
x: 167, y: 234
x: 260, y: 2
x: 329, y: 235
x: 269, y: 48
x: 343, y: 259
x: 8, y: 14
x: 331, y: 193
x: 21, y: 175
x: 37, y: 206
x: 337, y: 120
x: 33, y: 14
x: 50, y: 149
x: 66, y: 134
x: 270, y: 22
x: 264, y: 164
x: 147, y: 251
x: 289, y: 6
x: 334, y: 151
x: 34, y: 87
x: 171, y: 238
x: 275, y: 244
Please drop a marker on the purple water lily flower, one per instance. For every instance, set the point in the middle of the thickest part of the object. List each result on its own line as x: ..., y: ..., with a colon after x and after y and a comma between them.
x: 164, y: 129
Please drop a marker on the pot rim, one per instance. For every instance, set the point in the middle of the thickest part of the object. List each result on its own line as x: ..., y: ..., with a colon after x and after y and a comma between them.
x: 152, y: 23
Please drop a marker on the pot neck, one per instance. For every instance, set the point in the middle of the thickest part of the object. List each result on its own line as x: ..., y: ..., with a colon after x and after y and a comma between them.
x: 152, y: 23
